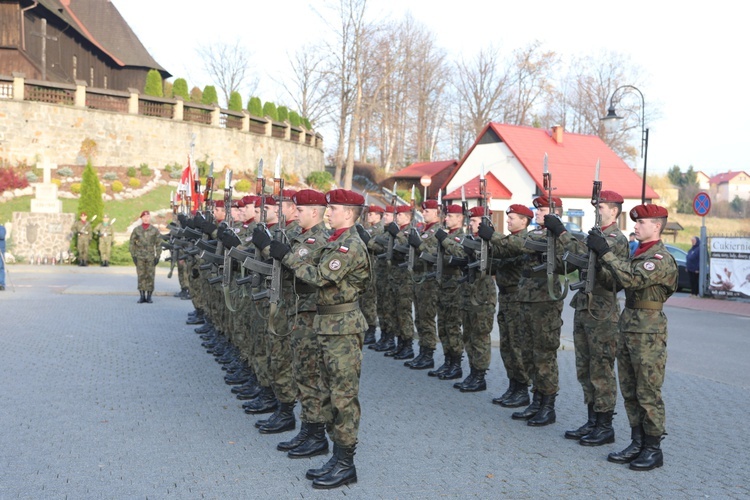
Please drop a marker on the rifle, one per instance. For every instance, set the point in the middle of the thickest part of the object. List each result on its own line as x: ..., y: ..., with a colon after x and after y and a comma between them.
x: 255, y: 263
x: 439, y: 258
x: 483, y: 202
x: 391, y: 239
x: 412, y: 230
x: 208, y: 199
x: 227, y: 269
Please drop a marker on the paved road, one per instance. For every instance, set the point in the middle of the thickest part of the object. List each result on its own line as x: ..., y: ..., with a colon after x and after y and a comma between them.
x: 103, y: 398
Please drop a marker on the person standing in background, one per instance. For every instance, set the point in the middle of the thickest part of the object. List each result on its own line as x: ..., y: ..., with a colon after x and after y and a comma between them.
x: 2, y: 257
x: 693, y: 265
x: 632, y: 244
x: 145, y: 247
x: 106, y: 234
x: 82, y: 230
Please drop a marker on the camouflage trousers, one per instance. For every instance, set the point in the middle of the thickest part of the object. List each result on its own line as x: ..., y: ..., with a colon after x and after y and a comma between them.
x: 386, y: 304
x: 260, y: 360
x: 450, y: 317
x: 478, y: 318
x: 240, y: 327
x: 306, y: 366
x: 182, y: 273
x: 596, y: 347
x: 146, y: 271
x: 515, y: 350
x: 402, y: 290
x: 368, y: 303
x: 641, y: 361
x: 541, y: 323
x: 82, y: 246
x: 105, y: 250
x: 341, y: 366
x: 426, y: 299
x: 280, y: 357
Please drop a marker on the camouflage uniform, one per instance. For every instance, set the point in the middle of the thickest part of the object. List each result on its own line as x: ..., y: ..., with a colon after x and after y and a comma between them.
x: 450, y: 298
x: 82, y: 232
x: 402, y: 290
x: 595, y: 326
x: 369, y: 301
x: 386, y: 302
x: 106, y: 234
x: 649, y: 279
x: 145, y: 247
x: 341, y: 277
x: 426, y: 292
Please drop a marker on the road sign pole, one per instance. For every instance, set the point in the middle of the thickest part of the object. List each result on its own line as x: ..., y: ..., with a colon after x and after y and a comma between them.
x: 703, y: 260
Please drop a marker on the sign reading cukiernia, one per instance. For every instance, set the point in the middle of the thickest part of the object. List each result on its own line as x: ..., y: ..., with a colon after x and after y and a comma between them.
x: 730, y: 267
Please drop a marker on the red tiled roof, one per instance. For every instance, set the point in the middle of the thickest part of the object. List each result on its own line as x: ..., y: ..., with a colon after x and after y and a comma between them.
x: 416, y: 170
x: 495, y: 189
x: 725, y: 177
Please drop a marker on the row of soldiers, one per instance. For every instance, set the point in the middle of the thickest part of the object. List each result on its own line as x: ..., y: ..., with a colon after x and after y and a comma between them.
x: 455, y: 304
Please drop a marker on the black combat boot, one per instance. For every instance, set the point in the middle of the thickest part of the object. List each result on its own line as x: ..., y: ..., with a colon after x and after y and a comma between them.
x: 477, y: 384
x: 454, y: 371
x: 196, y: 319
x: 206, y: 328
x: 389, y: 344
x: 508, y: 392
x: 546, y: 414
x: 148, y: 298
x: 406, y: 351
x: 603, y: 433
x: 326, y: 468
x: 395, y: 347
x: 443, y: 368
x: 296, y: 440
x: 530, y: 410
x: 143, y: 297
x: 380, y: 342
x: 315, y: 443
x: 265, y: 402
x: 585, y: 428
x: 342, y: 473
x: 370, y: 336
x: 282, y: 422
x: 418, y: 358
x: 651, y: 456
x: 426, y: 361
x: 239, y: 378
x: 519, y: 398
x: 467, y: 380
x: 632, y: 451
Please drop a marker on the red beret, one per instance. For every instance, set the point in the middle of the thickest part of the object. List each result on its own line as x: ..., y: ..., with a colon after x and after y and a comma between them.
x: 307, y: 197
x: 344, y: 197
x: 648, y: 212
x: 248, y: 200
x: 520, y: 210
x: 431, y: 204
x: 219, y: 203
x: 84, y: 214
x: 454, y: 209
x: 288, y: 194
x: 390, y: 209
x: 145, y: 212
x: 269, y: 201
x: 543, y: 201
x: 610, y: 197
x: 402, y: 209
x: 375, y: 209
x: 479, y: 212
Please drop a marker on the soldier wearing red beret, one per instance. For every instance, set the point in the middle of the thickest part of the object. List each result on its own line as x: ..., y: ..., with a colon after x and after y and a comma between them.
x: 649, y: 279
x: 82, y: 233
x: 145, y: 248
x: 385, y: 302
x: 369, y: 303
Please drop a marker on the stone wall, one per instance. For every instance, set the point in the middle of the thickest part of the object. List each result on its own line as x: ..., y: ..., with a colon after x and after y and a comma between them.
x: 31, y: 130
x: 39, y: 236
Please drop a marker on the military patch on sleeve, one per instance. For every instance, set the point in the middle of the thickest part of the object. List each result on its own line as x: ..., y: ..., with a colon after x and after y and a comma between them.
x: 310, y: 241
x: 457, y: 239
x: 343, y: 249
x: 649, y: 266
x: 658, y: 256
x: 425, y: 236
x: 303, y: 251
x: 334, y: 265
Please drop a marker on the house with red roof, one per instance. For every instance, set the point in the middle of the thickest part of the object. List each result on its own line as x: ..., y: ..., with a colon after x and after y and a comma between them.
x: 437, y: 174
x: 727, y: 186
x: 512, y: 160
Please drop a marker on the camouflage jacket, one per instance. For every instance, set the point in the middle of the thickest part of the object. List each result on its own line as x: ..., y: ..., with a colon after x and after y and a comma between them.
x: 307, y: 247
x: 649, y: 279
x: 603, y: 298
x: 82, y: 229
x: 481, y: 290
x: 105, y: 232
x: 429, y: 245
x: 508, y: 270
x: 145, y: 243
x: 342, y: 275
x: 532, y: 286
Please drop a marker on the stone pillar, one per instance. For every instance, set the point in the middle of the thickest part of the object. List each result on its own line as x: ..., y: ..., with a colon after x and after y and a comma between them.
x: 216, y: 117
x: 133, y: 102
x: 80, y: 99
x: 179, y: 109
x: 18, y: 86
x: 301, y: 138
x: 269, y: 126
x: 287, y: 131
x: 245, y: 121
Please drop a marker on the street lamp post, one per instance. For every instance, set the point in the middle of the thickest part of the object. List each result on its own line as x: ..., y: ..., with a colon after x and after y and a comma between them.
x: 610, y: 124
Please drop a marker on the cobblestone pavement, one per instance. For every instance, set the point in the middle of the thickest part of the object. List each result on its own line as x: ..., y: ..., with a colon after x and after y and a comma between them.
x: 101, y: 397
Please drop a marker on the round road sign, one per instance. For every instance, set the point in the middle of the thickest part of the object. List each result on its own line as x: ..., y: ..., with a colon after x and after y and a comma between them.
x: 702, y: 204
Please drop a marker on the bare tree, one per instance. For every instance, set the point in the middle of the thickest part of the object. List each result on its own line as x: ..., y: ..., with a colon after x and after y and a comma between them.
x: 530, y: 83
x: 309, y: 88
x: 228, y: 64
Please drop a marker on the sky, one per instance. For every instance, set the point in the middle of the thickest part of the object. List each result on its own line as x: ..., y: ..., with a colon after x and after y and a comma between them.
x: 693, y: 58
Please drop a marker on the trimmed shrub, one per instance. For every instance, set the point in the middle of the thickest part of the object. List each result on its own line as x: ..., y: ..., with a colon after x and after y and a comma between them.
x: 117, y: 187
x: 132, y: 172
x: 145, y: 171
x: 307, y: 124
x: 58, y: 182
x: 31, y: 176
x: 180, y: 88
x: 10, y: 179
x: 243, y: 185
x: 168, y: 90
x: 294, y: 119
x: 209, y: 95
x: 102, y: 187
x: 154, y: 86
x: 255, y: 107
x: 269, y: 110
x: 235, y: 101
x: 109, y: 176
x: 75, y: 188
x: 91, y: 193
x: 321, y: 180
x: 283, y: 113
x: 196, y: 95
x: 65, y: 172
x: 134, y: 182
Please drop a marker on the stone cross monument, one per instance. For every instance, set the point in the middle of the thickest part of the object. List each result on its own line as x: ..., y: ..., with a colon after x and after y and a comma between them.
x: 45, y: 198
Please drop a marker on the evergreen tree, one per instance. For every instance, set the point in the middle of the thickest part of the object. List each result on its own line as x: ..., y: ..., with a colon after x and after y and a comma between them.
x: 91, y: 194
x: 153, y: 86
x: 196, y: 95
x: 254, y: 106
x: 235, y: 101
x: 307, y: 124
x: 283, y: 113
x: 269, y: 110
x: 180, y: 88
x: 294, y: 119
x: 209, y: 95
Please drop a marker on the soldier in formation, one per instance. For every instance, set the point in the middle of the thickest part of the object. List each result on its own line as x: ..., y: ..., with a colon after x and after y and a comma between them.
x: 106, y: 235
x: 82, y: 232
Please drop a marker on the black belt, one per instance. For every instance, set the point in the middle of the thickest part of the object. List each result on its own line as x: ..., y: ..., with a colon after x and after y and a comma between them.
x: 338, y: 308
x: 644, y: 304
x: 507, y: 289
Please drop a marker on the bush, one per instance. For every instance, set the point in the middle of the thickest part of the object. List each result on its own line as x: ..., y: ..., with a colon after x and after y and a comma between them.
x: 31, y: 176
x: 235, y: 101
x: 57, y: 182
x: 75, y: 188
x: 290, y: 179
x: 254, y: 107
x: 102, y: 187
x: 88, y: 148
x: 117, y: 187
x: 10, y: 179
x: 196, y: 95
x: 180, y: 88
x: 65, y: 172
x: 209, y: 95
x: 294, y: 119
x: 131, y: 172
x: 109, y: 176
x: 154, y: 86
x: 175, y: 174
x: 283, y: 113
x: 91, y: 193
x: 307, y: 124
x: 134, y: 183
x: 269, y: 110
x: 243, y: 185
x: 321, y: 180
x: 145, y: 171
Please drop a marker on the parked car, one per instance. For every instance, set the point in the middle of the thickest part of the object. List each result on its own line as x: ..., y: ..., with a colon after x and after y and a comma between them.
x: 680, y: 257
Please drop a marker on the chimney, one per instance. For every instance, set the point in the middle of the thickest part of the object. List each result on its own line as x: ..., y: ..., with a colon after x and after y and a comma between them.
x: 557, y: 134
